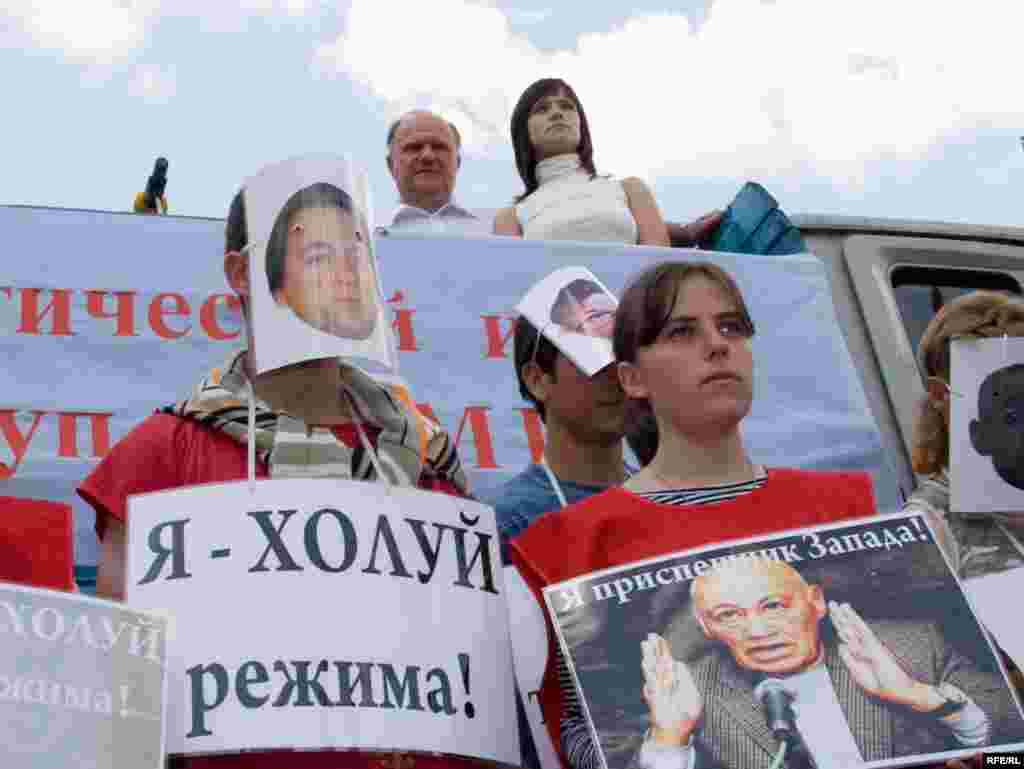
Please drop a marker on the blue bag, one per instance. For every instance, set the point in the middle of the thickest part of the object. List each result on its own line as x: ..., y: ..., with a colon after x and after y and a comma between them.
x: 754, y: 224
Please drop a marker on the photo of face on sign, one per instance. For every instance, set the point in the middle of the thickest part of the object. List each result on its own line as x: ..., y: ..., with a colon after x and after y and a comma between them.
x: 318, y: 262
x: 584, y: 307
x: 576, y: 313
x: 313, y: 275
x: 987, y: 425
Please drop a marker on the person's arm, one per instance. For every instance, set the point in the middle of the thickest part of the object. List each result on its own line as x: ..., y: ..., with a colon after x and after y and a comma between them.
x: 876, y: 670
x: 149, y: 458
x: 110, y: 574
x: 694, y: 233
x: 507, y: 223
x: 650, y: 227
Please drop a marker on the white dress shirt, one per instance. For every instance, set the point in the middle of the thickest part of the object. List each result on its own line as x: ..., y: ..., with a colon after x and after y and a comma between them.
x: 449, y: 219
x: 822, y: 725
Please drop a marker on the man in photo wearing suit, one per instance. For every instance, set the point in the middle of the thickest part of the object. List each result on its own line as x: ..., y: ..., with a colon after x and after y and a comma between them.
x: 857, y: 693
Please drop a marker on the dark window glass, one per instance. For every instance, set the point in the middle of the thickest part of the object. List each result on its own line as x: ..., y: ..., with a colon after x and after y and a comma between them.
x: 921, y: 291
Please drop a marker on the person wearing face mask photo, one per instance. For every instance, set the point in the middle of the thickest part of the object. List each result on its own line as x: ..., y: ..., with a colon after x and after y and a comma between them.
x: 682, y: 339
x: 318, y: 263
x: 565, y: 199
x: 583, y: 307
x: 316, y: 419
x: 972, y: 541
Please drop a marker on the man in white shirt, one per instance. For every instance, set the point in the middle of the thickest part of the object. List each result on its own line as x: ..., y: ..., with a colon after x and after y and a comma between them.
x: 856, y: 695
x: 424, y: 156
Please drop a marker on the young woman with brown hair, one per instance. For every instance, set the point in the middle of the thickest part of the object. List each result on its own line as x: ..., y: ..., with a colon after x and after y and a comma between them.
x: 682, y: 339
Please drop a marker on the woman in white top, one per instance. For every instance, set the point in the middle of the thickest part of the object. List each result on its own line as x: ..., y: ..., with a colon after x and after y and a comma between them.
x: 565, y: 199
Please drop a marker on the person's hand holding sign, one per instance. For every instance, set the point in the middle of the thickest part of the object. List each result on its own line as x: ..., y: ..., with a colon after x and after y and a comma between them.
x: 874, y: 667
x: 670, y: 693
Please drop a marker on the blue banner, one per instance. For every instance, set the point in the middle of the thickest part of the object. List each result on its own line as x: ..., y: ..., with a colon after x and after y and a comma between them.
x: 105, y: 317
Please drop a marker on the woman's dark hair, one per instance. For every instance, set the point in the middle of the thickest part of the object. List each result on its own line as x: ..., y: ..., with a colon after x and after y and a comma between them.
x: 644, y: 309
x: 526, y: 159
x: 319, y: 195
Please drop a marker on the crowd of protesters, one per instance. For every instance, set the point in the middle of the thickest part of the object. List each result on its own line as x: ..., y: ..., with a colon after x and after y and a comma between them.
x: 679, y: 388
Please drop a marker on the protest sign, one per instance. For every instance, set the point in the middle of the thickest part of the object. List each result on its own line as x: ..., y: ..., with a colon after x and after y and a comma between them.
x: 576, y: 313
x: 312, y: 272
x: 530, y: 654
x: 986, y: 456
x: 81, y: 682
x: 97, y: 344
x: 851, y: 644
x: 989, y: 558
x: 315, y: 614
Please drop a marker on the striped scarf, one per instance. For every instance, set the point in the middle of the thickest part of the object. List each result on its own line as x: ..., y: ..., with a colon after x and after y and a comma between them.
x: 409, y: 445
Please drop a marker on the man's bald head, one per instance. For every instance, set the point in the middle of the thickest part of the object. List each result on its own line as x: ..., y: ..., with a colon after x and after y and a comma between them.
x: 763, y: 610
x: 423, y: 158
x: 393, y: 129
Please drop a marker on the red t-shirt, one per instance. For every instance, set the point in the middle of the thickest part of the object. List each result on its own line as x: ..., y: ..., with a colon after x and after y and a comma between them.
x: 617, y: 527
x: 36, y: 543
x: 167, y: 452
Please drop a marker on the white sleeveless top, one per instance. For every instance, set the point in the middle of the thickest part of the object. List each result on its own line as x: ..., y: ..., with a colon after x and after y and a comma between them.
x: 569, y: 205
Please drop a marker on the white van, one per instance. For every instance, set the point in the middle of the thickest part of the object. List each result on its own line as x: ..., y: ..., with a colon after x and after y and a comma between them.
x: 888, y: 278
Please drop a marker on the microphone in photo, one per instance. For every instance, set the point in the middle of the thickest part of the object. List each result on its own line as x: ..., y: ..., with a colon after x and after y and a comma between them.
x: 775, y: 698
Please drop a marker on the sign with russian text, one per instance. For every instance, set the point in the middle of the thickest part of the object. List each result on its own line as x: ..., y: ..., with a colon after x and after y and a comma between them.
x: 81, y: 682
x: 318, y: 614
x: 837, y: 646
x: 529, y: 637
x: 111, y: 316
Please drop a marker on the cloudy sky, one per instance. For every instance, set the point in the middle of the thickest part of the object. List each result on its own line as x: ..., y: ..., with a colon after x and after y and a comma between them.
x: 909, y: 109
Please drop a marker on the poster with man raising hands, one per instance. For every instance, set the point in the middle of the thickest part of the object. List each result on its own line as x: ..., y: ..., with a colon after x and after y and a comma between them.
x: 831, y: 647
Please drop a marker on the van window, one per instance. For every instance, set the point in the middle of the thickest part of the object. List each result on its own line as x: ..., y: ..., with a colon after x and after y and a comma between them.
x: 921, y: 291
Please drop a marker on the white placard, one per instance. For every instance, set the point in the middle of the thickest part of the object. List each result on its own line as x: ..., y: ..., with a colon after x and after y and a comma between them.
x: 994, y: 595
x: 313, y: 278
x: 987, y: 425
x: 530, y: 654
x: 81, y: 682
x: 575, y: 311
x: 390, y: 599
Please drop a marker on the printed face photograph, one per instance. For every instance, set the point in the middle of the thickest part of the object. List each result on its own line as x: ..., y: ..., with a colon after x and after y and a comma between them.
x: 998, y: 432
x: 764, y: 612
x: 583, y: 307
x: 318, y: 263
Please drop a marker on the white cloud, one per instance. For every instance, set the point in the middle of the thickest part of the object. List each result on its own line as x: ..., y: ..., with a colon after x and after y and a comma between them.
x: 154, y: 85
x: 102, y: 33
x: 821, y: 86
x: 519, y: 16
x: 90, y: 31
